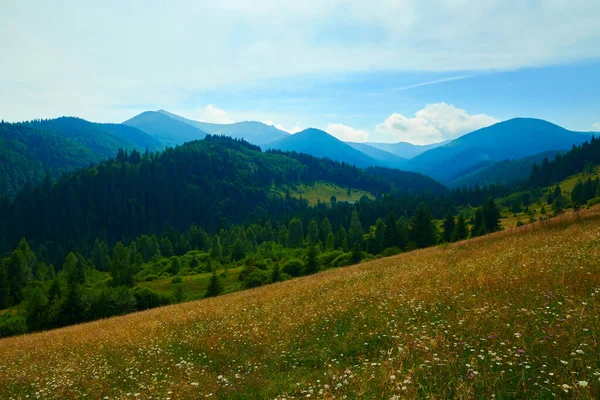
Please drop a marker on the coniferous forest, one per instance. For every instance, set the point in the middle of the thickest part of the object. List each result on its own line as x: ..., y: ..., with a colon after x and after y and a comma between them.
x: 75, y: 248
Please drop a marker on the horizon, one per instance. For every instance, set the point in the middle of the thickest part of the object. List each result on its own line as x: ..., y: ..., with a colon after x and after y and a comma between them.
x: 359, y: 73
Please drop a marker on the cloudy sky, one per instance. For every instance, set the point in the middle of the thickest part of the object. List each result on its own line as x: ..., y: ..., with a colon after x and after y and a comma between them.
x: 419, y: 71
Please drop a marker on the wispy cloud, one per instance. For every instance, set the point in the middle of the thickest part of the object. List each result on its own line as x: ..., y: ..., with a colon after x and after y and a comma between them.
x: 434, y: 82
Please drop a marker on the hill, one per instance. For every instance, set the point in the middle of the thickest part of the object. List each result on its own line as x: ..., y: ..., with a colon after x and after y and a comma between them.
x: 501, y: 172
x: 214, y: 182
x: 404, y: 149
x: 103, y: 140
x: 28, y: 155
x: 509, y: 315
x: 320, y: 144
x: 164, y: 128
x: 512, y: 139
x: 251, y: 131
x: 385, y: 158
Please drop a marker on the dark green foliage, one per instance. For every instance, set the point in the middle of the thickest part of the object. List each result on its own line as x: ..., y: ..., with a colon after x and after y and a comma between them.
x: 121, y: 268
x: 423, y: 231
x: 256, y: 278
x: 147, y: 298
x: 293, y: 268
x: 479, y: 227
x: 355, y: 233
x: 216, y: 250
x: 295, y: 233
x: 390, y: 237
x: 313, y: 233
x: 11, y: 325
x: 275, y: 274
x: 330, y: 244
x: 449, y: 228
x: 325, y: 230
x: 461, y: 230
x: 564, y: 165
x: 100, y: 256
x: 491, y: 216
x: 311, y: 266
x: 178, y: 292
x: 356, y: 254
x: 215, y: 287
x: 166, y: 247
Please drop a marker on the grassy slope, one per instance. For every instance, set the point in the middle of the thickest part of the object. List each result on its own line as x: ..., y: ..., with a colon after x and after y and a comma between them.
x: 509, y: 220
x: 322, y: 191
x: 514, y: 314
x: 194, y: 286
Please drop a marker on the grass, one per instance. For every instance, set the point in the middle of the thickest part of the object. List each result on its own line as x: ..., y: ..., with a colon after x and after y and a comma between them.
x: 194, y: 286
x: 568, y: 184
x: 322, y: 192
x: 510, y: 315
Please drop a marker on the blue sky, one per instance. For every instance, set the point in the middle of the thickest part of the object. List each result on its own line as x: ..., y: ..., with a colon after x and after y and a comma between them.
x: 417, y: 71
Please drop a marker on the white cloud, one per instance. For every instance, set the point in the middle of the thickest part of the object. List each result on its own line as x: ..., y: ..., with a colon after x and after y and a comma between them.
x: 434, y: 123
x: 295, y: 129
x: 347, y: 133
x: 596, y: 127
x: 159, y: 52
x: 212, y: 113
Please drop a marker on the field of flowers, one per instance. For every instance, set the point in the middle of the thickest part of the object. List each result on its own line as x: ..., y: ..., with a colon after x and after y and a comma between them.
x: 511, y: 315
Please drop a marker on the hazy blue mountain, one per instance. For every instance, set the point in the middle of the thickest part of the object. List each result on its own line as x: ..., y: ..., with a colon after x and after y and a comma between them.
x: 512, y: 139
x: 321, y: 144
x: 385, y: 158
x: 103, y: 140
x: 251, y: 131
x: 168, y: 130
x: 405, y: 149
x: 505, y: 171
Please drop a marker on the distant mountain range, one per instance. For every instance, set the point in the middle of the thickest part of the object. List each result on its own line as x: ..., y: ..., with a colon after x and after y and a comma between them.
x: 405, y: 149
x: 512, y: 139
x: 172, y: 129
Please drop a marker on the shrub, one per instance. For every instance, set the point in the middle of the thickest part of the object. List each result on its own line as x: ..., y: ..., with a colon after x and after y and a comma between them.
x: 11, y: 325
x: 257, y: 278
x: 390, y: 251
x: 342, y: 260
x: 325, y: 259
x: 177, y: 279
x: 147, y: 298
x: 293, y: 267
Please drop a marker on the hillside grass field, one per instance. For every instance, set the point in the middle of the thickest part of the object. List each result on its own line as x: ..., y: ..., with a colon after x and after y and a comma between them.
x: 510, y: 315
x: 323, y: 191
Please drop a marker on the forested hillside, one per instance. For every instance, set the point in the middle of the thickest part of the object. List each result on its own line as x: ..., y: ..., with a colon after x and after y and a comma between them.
x: 29, y: 155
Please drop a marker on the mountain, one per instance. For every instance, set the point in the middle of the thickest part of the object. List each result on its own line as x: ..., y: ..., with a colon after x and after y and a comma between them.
x: 166, y: 129
x: 103, y: 140
x: 318, y: 143
x: 385, y: 158
x: 251, y: 131
x: 30, y: 151
x: 213, y: 183
x: 28, y: 155
x: 512, y: 139
x: 504, y: 172
x: 404, y: 149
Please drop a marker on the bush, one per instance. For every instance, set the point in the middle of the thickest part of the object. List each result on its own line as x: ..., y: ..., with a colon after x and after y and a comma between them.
x: 342, y: 260
x: 257, y: 278
x: 110, y: 301
x: 11, y: 325
x: 151, y: 277
x: 325, y: 259
x: 293, y: 267
x: 177, y: 279
x: 147, y: 298
x: 390, y: 251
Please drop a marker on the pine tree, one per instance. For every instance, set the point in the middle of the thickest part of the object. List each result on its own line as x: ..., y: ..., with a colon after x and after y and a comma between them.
x: 37, y: 308
x: 121, y: 271
x: 215, y: 287
x: 276, y: 273
x: 356, y: 255
x: 100, y: 258
x: 216, y: 250
x: 355, y: 234
x: 238, y: 251
x: 330, y: 245
x: 311, y: 266
x: 449, y: 226
x: 341, y: 239
x: 423, y: 231
x: 402, y: 232
x: 491, y: 215
x: 166, y: 247
x: 378, y: 242
x: 479, y: 227
x: 4, y: 285
x: 295, y: 233
x: 461, y: 230
x: 282, y: 236
x: 325, y: 230
x: 313, y: 233
x: 391, y: 231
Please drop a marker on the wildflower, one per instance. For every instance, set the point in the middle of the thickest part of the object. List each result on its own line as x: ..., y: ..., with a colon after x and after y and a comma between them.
x: 582, y: 383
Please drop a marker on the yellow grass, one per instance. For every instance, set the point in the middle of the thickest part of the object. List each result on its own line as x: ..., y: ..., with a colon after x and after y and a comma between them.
x: 511, y: 315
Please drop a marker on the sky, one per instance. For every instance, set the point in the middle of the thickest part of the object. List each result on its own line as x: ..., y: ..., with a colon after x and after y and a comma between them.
x: 419, y: 71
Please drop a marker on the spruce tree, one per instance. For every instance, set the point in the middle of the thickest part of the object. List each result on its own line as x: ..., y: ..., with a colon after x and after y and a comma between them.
x: 330, y: 245
x: 479, y: 227
x: 449, y: 226
x: 491, y: 215
x: 311, y: 266
x: 275, y: 273
x: 390, y: 236
x: 423, y: 231
x: 313, y: 232
x: 461, y: 230
x: 216, y: 251
x: 295, y: 233
x: 355, y: 234
x: 325, y: 230
x: 215, y: 287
